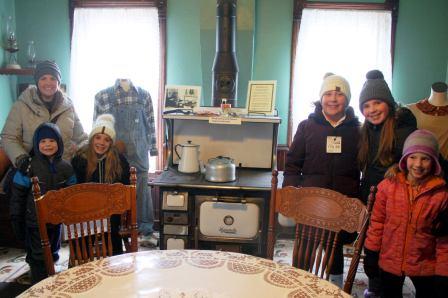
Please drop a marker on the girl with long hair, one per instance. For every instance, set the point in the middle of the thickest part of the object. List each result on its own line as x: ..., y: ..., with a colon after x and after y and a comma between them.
x: 100, y: 161
x: 383, y: 133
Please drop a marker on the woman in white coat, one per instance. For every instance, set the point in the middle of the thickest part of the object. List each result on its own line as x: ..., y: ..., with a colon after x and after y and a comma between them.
x: 37, y: 104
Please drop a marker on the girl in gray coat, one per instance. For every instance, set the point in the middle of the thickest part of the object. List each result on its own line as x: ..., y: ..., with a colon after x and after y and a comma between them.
x: 36, y: 105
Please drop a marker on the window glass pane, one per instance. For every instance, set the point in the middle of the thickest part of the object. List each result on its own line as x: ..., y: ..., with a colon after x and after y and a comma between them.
x: 112, y: 43
x: 345, y: 42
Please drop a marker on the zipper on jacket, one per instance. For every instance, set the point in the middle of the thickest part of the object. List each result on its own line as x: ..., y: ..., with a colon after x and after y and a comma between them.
x: 408, y: 222
x: 421, y: 207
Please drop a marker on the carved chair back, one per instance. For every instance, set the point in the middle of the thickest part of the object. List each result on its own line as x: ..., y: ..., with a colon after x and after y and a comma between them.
x: 85, y: 209
x: 320, y: 215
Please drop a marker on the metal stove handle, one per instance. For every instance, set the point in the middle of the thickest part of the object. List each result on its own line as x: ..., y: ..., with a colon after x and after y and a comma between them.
x: 230, y: 200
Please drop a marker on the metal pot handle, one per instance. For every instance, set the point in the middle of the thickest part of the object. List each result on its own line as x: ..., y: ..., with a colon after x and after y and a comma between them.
x: 223, y: 157
x: 175, y: 150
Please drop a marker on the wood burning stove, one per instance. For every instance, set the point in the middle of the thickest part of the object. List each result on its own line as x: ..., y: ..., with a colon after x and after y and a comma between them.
x: 196, y: 213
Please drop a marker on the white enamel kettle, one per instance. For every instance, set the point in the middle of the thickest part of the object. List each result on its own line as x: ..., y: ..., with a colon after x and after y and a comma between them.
x: 188, y: 158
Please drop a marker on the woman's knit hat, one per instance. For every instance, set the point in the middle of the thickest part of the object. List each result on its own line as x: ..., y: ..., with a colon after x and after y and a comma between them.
x: 422, y: 141
x: 375, y: 88
x: 104, y: 124
x: 334, y: 82
x: 47, y: 67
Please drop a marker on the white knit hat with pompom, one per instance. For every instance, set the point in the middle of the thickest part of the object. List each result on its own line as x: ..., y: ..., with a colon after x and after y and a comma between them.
x: 334, y: 82
x: 104, y: 124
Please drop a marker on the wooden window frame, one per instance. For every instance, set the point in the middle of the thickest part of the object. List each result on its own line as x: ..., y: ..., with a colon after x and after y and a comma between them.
x: 161, y: 6
x: 299, y: 5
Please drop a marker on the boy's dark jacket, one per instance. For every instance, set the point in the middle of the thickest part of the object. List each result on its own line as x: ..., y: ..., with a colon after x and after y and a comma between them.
x: 52, y: 175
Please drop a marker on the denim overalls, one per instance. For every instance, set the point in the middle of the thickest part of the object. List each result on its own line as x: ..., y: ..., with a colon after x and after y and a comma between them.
x: 134, y: 125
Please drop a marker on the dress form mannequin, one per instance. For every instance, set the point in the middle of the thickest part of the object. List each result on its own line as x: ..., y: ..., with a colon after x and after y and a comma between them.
x: 135, y: 126
x: 125, y: 84
x: 432, y: 114
x: 438, y: 95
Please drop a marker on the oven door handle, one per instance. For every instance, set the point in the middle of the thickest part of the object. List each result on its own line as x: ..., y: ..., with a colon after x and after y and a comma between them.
x: 230, y: 200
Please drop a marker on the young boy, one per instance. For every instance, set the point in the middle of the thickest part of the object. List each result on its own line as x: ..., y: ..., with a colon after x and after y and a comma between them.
x: 403, y: 239
x: 53, y: 173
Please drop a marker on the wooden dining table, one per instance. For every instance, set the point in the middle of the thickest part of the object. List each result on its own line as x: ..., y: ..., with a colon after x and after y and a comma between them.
x: 184, y: 273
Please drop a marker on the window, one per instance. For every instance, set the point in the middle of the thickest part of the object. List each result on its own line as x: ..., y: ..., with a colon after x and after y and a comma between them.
x: 115, y: 42
x: 346, y: 40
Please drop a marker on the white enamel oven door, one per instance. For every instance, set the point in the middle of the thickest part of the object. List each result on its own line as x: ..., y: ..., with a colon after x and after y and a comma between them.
x: 228, y: 219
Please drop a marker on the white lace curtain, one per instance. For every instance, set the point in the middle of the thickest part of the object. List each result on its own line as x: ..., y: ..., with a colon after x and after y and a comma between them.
x: 345, y: 42
x: 112, y: 43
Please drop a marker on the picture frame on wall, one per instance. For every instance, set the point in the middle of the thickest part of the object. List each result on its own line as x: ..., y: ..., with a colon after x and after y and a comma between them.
x: 182, y: 97
x: 261, y: 97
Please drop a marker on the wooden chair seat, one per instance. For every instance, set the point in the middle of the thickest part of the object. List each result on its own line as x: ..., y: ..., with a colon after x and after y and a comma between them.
x: 320, y: 215
x: 86, y: 210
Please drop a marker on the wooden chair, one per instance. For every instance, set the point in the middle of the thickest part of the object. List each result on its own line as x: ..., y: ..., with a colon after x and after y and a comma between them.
x: 4, y: 163
x: 84, y: 205
x: 320, y: 215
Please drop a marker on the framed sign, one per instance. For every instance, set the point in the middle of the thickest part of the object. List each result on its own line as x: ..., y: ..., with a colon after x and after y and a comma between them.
x: 261, y: 97
x: 182, y: 97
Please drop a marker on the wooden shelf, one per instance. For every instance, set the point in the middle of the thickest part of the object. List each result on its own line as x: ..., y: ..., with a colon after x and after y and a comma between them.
x: 21, y: 71
x: 244, y: 118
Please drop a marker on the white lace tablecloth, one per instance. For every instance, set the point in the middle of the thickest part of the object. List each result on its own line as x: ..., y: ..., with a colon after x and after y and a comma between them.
x: 184, y: 273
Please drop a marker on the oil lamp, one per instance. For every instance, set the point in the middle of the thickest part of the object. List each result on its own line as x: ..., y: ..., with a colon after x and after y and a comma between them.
x: 11, y: 45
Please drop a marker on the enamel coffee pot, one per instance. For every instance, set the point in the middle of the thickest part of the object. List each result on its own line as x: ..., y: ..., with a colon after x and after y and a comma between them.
x: 188, y: 157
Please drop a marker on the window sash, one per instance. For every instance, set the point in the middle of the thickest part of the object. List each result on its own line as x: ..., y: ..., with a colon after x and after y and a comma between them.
x: 161, y: 6
x: 299, y: 5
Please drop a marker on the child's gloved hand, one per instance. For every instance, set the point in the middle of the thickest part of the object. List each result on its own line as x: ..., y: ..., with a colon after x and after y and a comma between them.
x: 371, y: 267
x: 23, y: 163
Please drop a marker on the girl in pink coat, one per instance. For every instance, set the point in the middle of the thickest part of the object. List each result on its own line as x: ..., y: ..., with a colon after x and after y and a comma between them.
x: 407, y: 233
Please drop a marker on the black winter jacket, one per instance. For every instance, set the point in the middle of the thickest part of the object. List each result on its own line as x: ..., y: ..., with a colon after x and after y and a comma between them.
x: 79, y: 163
x: 308, y: 163
x: 52, y: 175
x: 374, y: 171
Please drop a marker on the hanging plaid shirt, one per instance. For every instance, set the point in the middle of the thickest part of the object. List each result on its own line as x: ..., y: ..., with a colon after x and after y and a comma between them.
x: 130, y: 108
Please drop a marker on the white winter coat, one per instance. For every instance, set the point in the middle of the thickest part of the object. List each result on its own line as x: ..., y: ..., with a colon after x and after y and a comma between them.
x: 28, y: 112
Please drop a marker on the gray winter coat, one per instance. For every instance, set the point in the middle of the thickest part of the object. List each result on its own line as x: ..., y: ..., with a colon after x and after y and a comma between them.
x: 28, y: 112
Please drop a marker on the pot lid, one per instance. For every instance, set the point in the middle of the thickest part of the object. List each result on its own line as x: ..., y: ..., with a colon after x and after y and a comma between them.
x: 189, y: 144
x: 220, y: 160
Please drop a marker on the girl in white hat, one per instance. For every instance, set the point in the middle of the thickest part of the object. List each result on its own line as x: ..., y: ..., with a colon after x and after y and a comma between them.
x: 100, y: 161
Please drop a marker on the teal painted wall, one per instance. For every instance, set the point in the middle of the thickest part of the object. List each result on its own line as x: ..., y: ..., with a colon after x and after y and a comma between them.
x: 244, y: 47
x: 7, y: 83
x: 272, y: 45
x: 421, y: 50
x: 183, y: 43
x: 421, y: 55
x: 273, y: 52
x: 46, y: 22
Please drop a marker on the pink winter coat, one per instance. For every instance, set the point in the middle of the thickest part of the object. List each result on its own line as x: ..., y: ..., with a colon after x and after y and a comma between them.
x: 403, y: 233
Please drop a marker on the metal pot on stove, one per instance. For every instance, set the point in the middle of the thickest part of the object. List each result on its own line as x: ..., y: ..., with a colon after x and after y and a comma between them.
x: 220, y: 169
x: 188, y: 157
